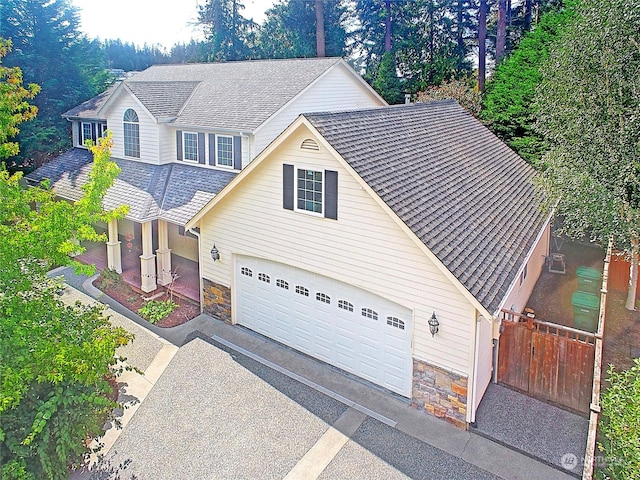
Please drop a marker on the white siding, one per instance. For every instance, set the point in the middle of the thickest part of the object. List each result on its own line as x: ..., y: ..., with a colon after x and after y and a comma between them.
x: 364, y: 248
x: 519, y: 296
x: 337, y: 90
x: 484, y: 362
x: 148, y: 129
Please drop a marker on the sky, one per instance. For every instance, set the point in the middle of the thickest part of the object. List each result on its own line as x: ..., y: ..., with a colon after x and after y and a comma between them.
x: 163, y: 22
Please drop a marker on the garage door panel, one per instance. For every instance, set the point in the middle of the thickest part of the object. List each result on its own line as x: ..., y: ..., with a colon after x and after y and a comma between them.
x: 324, y: 318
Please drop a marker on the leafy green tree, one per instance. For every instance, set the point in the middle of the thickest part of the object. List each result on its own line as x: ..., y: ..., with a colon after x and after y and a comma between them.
x: 508, y: 97
x: 464, y: 91
x: 619, y: 427
x: 289, y: 30
x: 587, y: 110
x: 14, y: 108
x: 55, y: 359
x: 48, y: 47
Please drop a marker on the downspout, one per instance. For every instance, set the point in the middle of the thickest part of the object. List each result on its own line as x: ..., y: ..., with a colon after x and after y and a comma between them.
x: 197, y: 234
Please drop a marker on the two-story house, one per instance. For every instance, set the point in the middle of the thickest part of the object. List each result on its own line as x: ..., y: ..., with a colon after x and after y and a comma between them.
x: 180, y: 134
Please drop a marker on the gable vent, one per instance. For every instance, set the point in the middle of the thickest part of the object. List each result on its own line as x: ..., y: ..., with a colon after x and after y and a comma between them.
x: 310, y: 144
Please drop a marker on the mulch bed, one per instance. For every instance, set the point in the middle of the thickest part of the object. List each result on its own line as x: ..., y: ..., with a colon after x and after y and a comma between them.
x: 124, y: 294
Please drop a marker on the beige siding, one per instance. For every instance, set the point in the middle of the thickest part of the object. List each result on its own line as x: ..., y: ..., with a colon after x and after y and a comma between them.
x: 337, y: 90
x: 182, y: 245
x: 519, y: 296
x: 148, y: 129
x: 365, y: 248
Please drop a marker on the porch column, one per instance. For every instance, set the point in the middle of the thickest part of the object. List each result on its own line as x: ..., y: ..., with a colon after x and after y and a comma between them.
x: 147, y: 260
x: 164, y: 254
x: 114, y: 255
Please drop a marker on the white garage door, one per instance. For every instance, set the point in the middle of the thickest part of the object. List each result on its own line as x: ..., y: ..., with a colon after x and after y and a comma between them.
x: 343, y: 325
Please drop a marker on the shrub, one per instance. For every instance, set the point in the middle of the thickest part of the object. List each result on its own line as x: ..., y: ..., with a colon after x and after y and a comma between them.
x: 156, y: 310
x: 620, y: 428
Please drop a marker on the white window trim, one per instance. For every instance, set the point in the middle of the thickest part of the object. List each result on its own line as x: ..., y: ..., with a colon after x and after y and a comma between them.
x: 82, y: 139
x: 184, y: 145
x: 218, y: 164
x: 295, y: 192
x: 139, y: 145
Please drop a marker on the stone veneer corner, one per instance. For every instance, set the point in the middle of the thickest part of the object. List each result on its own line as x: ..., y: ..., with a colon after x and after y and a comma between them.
x: 216, y: 300
x: 440, y: 392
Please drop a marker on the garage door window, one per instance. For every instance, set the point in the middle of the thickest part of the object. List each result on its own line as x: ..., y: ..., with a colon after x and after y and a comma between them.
x: 369, y: 313
x: 282, y: 284
x: 302, y: 291
x: 246, y: 271
x: 323, y: 297
x: 263, y: 277
x: 343, y: 304
x: 395, y: 322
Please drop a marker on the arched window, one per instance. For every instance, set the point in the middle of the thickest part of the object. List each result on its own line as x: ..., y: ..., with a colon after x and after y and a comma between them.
x: 131, y: 134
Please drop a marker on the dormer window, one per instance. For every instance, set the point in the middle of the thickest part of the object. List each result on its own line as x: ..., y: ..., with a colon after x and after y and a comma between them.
x: 190, y: 146
x: 131, y: 126
x: 91, y: 131
x: 224, y: 151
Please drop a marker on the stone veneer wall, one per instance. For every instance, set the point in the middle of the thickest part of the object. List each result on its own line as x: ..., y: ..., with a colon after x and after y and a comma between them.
x: 440, y: 393
x: 217, y: 300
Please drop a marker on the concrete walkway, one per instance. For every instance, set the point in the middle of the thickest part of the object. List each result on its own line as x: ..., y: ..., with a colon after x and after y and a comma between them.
x: 367, y: 427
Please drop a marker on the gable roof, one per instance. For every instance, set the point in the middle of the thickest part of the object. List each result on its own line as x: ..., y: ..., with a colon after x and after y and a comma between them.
x: 468, y: 197
x: 91, y: 108
x: 162, y: 99
x: 226, y: 96
x: 173, y: 192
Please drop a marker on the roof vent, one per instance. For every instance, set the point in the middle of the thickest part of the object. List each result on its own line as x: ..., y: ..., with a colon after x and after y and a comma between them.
x: 310, y: 144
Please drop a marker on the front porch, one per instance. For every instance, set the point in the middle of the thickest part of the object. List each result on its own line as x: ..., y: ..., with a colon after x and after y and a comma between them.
x: 184, y: 272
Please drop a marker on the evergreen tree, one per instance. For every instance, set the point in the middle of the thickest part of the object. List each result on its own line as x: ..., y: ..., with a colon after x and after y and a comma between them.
x: 52, y: 53
x: 508, y: 99
x: 229, y: 35
x: 289, y: 30
x: 387, y: 83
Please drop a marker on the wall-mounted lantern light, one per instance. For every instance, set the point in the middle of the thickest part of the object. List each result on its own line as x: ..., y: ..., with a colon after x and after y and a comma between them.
x: 434, y: 324
x: 215, y: 254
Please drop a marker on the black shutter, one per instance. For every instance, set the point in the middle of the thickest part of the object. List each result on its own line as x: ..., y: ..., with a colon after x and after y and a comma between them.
x: 93, y: 133
x: 287, y: 186
x: 237, y: 153
x: 212, y: 149
x: 331, y: 194
x: 201, y: 152
x: 179, y: 144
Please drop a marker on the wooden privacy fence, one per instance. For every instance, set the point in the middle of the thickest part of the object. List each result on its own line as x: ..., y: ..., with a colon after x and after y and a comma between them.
x: 590, y: 451
x: 546, y: 360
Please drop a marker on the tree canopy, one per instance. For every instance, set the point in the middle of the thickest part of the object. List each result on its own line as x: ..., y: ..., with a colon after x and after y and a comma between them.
x: 55, y: 359
x: 587, y: 110
x: 508, y: 99
x: 14, y: 108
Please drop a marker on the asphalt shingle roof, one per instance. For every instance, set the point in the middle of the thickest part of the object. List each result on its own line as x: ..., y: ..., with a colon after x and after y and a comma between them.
x: 163, y: 99
x: 464, y: 193
x: 172, y: 192
x: 228, y: 95
x: 91, y: 107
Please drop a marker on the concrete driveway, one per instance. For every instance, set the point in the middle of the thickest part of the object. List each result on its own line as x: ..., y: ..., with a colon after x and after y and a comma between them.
x: 217, y: 414
x: 231, y: 404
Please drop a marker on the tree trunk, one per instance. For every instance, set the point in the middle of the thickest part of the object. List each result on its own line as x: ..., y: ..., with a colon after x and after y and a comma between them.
x: 387, y: 27
x: 482, y: 44
x: 527, y: 15
x: 320, y: 42
x: 501, y: 35
x: 633, y: 277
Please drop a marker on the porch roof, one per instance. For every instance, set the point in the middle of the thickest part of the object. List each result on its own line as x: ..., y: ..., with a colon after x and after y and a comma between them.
x: 171, y: 192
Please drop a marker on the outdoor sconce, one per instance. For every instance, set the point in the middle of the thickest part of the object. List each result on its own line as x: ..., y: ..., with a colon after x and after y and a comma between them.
x: 215, y: 254
x: 433, y: 324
